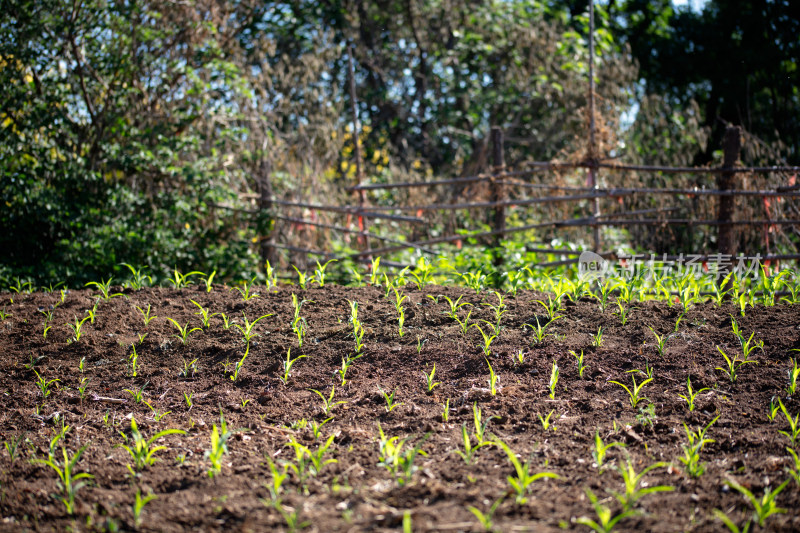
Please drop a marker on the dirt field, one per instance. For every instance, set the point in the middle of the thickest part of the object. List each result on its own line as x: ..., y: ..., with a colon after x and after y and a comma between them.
x: 357, y: 492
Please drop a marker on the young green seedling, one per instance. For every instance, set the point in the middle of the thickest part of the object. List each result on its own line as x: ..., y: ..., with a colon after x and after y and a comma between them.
x: 554, y: 373
x: 104, y: 287
x: 539, y: 334
x: 247, y: 329
x: 390, y: 403
x: 138, y: 506
x: 209, y: 281
x: 764, y: 507
x: 492, y: 378
x: 69, y: 483
x: 464, y: 324
x: 347, y: 362
x: 92, y: 313
x: 400, y: 463
x: 469, y: 450
x: 139, y: 277
x: 327, y: 403
x: 634, y: 490
x: 302, y: 278
x: 287, y: 366
x: 545, y: 420
x: 733, y: 365
x: 522, y: 481
x: 691, y: 451
x: 133, y: 358
x: 487, y: 340
x: 597, y: 338
x: 485, y: 519
x: 691, y: 394
x: 661, y: 341
x: 183, y: 331
x: 635, y: 394
x: 76, y: 328
x: 239, y: 364
x: 142, y: 450
x: 179, y: 281
x: 244, y: 290
x: 400, y: 310
x: 455, y: 306
x: 204, y: 314
x: 794, y: 472
x: 146, y: 316
x: 189, y: 367
x: 44, y: 385
x: 138, y: 395
x: 601, y: 449
x: 429, y: 379
x: 581, y: 366
x: 607, y: 521
x: 794, y: 373
x: 794, y: 425
x: 219, y: 446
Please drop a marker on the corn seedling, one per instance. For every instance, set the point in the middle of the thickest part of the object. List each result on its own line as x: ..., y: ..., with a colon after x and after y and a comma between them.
x: 400, y: 309
x: 298, y: 324
x: 399, y: 462
x: 327, y: 403
x: 245, y: 290
x: 239, y: 364
x: 522, y: 481
x: 429, y: 379
x: 485, y: 519
x: 146, y: 316
x: 479, y: 423
x: 730, y: 524
x: 634, y: 490
x: 492, y: 378
x: 635, y: 394
x: 4, y: 315
x: 661, y: 341
x: 44, y: 384
x: 499, y: 309
x: 464, y: 324
x: 138, y: 277
x: 187, y: 396
x: 469, y: 450
x: 605, y: 292
x: 795, y: 472
x: 601, y: 449
x: 623, y: 312
x: 302, y: 278
x: 581, y: 366
x: 422, y: 273
x: 607, y: 520
x: 92, y: 313
x: 69, y: 483
x: 455, y: 306
x: 138, y: 506
x: 446, y: 411
x: 138, y: 395
x: 772, y: 409
x: 539, y: 334
x: 141, y: 449
x: 247, y: 328
x: 474, y: 280
x: 390, y: 403
x: 691, y: 451
x: 226, y: 322
x: 82, y: 387
x: 189, y: 368
x: 554, y: 373
x: 271, y: 279
x: 691, y: 394
x: 347, y: 362
x: 133, y: 359
x: 794, y: 425
x: 183, y: 331
x: 219, y: 446
x: 545, y: 420
x: 156, y: 415
x: 316, y: 427
x: 204, y: 314
x: 733, y: 365
x: 12, y: 447
x: 374, y: 272
x: 179, y: 280
x: 487, y: 340
x: 105, y: 289
x: 308, y: 462
x: 209, y: 280
x: 793, y: 373
x: 287, y: 366
x: 764, y: 507
x: 747, y: 349
x: 77, y: 328
x: 597, y: 338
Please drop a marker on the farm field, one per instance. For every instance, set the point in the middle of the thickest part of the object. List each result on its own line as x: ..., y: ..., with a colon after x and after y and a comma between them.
x: 360, y: 428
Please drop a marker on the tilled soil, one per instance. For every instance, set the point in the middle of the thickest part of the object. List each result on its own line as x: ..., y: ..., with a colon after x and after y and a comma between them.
x: 357, y: 493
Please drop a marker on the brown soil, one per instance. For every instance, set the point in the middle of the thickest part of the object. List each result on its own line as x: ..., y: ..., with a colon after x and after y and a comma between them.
x: 356, y: 493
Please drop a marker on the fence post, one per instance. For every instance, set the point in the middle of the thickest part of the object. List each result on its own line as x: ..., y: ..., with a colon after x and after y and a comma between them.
x: 264, y: 210
x: 362, y: 221
x: 726, y: 234
x: 497, y: 194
